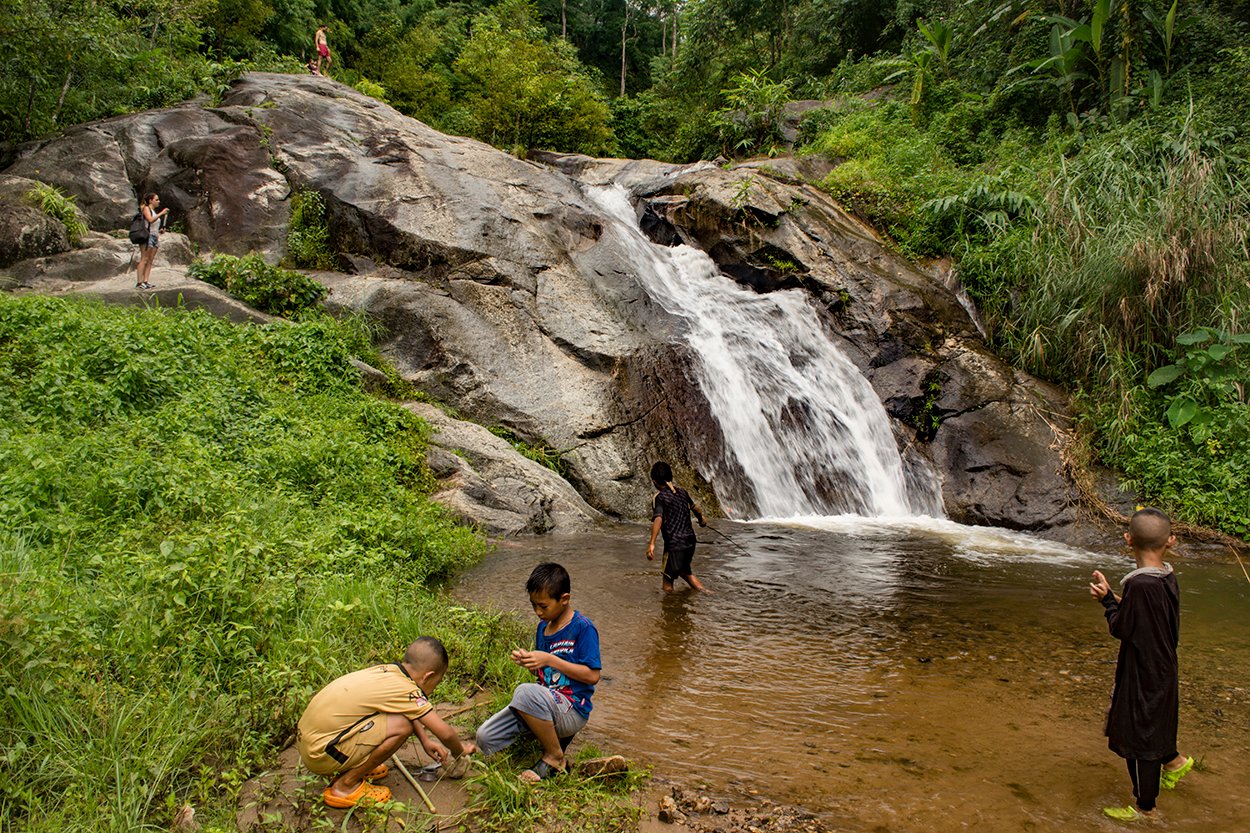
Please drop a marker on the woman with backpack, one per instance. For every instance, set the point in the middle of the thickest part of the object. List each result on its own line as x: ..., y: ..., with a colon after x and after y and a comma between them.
x: 147, y: 250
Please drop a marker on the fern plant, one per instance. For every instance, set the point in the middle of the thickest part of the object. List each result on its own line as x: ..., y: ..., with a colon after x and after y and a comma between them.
x: 61, y: 207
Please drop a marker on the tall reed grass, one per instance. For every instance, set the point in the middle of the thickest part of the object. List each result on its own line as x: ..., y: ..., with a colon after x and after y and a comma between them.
x: 1137, y: 239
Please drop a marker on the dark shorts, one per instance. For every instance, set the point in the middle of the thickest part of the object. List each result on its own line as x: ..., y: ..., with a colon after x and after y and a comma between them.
x: 677, y: 563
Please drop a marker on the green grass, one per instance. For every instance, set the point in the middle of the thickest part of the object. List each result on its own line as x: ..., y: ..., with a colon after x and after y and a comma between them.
x: 502, y: 803
x: 204, y: 523
x: 542, y: 454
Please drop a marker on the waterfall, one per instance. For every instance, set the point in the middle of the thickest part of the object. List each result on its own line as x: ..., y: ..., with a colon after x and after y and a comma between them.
x: 803, y: 426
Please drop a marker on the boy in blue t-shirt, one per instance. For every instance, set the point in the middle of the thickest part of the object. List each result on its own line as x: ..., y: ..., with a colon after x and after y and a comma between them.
x: 566, y: 661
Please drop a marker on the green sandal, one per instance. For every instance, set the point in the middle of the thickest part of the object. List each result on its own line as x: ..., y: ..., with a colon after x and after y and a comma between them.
x: 1168, y: 779
x: 1129, y: 813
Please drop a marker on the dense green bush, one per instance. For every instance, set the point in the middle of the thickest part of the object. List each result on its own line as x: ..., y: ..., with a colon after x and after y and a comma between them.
x: 270, y: 289
x: 1202, y: 482
x: 203, y: 523
x: 751, y: 120
x: 308, y: 236
x: 888, y: 170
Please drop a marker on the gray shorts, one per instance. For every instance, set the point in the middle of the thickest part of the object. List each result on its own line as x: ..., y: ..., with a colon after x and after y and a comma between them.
x: 506, y: 725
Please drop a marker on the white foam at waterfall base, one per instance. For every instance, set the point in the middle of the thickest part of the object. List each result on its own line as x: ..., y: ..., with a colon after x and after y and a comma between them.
x: 799, y: 420
x: 979, y: 544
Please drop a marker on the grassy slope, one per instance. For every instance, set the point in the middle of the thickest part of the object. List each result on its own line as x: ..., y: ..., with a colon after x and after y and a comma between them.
x: 203, y: 523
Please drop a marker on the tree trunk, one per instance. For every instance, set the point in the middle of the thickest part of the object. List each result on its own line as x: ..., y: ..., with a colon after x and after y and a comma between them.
x: 60, y: 102
x: 1127, y: 49
x: 623, y: 25
x: 30, y: 107
x: 564, y: 19
x: 624, y: 29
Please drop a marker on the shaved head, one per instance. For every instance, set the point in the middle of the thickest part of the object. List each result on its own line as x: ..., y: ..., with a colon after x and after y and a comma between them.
x: 426, y: 654
x: 1149, y: 529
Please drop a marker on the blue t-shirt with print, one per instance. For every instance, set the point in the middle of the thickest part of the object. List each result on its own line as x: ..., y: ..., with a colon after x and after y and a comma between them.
x: 578, y: 643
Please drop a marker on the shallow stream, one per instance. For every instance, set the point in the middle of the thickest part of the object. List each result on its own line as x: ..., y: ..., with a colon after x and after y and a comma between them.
x: 908, y: 676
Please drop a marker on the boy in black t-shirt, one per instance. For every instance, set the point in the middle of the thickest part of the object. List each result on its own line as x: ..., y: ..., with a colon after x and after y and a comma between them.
x: 670, y: 514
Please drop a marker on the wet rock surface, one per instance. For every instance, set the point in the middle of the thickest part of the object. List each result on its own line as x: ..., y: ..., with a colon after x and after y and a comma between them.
x: 499, y: 293
x: 484, y: 481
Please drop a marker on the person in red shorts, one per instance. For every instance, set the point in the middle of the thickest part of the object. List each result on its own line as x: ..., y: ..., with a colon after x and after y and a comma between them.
x: 323, y: 50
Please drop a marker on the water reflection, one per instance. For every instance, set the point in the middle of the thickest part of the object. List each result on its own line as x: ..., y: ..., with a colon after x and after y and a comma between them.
x: 912, y: 675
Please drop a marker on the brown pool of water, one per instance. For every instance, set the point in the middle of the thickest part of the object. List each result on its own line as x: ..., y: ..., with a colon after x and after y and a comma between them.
x: 894, y: 677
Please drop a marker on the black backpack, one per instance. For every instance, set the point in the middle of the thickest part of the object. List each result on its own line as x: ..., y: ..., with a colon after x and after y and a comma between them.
x: 139, y: 230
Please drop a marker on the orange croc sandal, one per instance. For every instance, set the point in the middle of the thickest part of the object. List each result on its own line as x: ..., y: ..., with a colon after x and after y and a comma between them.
x: 377, y: 772
x: 364, y: 791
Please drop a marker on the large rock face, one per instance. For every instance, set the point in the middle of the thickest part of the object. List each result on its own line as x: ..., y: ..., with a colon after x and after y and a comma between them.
x: 500, y: 294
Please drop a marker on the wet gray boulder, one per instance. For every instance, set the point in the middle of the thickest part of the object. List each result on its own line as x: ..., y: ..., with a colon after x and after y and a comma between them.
x: 957, y: 409
x: 485, y: 482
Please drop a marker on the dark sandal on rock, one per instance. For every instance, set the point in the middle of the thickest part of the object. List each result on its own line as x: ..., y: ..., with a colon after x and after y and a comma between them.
x: 541, y: 771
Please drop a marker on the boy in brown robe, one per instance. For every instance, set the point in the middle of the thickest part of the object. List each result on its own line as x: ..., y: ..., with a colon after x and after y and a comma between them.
x: 1141, y: 723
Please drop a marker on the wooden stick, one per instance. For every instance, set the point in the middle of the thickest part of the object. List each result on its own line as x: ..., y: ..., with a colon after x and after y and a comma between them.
x: 408, y: 775
x: 1243, y: 566
x: 462, y: 710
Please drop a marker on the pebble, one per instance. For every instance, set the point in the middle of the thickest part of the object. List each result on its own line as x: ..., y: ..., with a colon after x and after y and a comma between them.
x: 668, y: 810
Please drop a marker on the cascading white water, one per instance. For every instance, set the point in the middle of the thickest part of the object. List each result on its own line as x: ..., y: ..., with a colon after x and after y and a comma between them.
x: 801, y: 423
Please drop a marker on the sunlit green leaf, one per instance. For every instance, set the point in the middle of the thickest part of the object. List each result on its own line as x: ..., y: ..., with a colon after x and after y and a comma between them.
x: 1181, y: 411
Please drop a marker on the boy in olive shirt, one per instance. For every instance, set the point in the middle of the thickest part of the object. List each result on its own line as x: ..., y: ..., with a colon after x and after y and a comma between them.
x: 353, y: 725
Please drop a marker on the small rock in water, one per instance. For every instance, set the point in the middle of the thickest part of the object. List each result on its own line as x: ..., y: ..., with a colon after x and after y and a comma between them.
x: 668, y: 810
x: 720, y: 807
x: 701, y: 804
